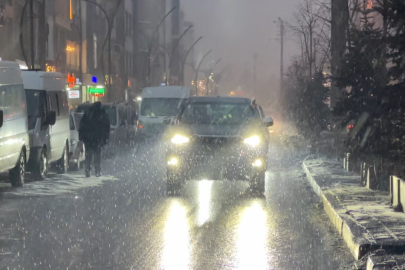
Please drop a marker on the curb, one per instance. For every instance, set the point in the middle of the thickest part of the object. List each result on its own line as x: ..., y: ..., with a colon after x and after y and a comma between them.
x: 351, y: 233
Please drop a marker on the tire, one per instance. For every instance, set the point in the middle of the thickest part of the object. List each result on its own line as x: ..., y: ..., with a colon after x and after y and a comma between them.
x: 40, y: 172
x: 63, y: 163
x: 257, y: 183
x: 17, y: 175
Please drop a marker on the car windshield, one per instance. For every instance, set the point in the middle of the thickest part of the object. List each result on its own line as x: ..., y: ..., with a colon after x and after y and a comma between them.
x: 112, y: 113
x: 154, y: 107
x: 33, y: 105
x: 217, y: 113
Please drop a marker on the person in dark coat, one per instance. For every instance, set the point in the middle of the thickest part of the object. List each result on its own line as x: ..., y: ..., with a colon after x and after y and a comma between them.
x: 94, y: 131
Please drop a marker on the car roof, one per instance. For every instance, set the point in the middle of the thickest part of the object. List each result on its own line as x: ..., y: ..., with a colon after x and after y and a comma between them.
x: 220, y: 100
x: 166, y: 92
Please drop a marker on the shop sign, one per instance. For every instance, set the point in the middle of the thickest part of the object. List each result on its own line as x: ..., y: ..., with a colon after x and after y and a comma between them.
x: 98, y: 91
x: 73, y: 94
x: 71, y: 79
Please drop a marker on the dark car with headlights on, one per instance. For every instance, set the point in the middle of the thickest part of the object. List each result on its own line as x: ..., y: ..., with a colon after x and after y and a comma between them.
x: 217, y: 138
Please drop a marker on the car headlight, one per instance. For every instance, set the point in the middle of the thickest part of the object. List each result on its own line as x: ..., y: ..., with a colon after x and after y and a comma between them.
x: 252, y: 141
x: 180, y: 139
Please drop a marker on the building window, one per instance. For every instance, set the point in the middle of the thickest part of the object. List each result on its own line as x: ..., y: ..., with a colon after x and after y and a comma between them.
x: 95, y: 50
x: 72, y: 55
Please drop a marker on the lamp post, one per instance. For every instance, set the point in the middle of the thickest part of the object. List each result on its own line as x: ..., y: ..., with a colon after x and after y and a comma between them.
x: 212, y: 69
x: 173, y: 51
x: 198, y: 69
x: 150, y: 44
x: 108, y: 36
x: 185, y: 59
x: 218, y: 77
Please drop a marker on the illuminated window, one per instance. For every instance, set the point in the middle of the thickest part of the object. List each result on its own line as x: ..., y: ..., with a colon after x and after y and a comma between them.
x: 72, y: 53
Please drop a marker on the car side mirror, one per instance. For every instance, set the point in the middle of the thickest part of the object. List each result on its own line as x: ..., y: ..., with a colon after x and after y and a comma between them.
x: 268, y: 122
x: 51, y: 118
x: 1, y: 118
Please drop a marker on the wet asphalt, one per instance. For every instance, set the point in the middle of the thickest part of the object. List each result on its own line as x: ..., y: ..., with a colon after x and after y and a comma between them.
x: 125, y: 220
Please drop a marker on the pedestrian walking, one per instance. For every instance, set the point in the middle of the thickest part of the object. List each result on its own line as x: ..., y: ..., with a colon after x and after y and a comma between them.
x: 94, y: 131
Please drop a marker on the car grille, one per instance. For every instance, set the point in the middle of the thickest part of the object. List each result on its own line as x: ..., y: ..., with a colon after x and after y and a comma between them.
x: 216, y: 146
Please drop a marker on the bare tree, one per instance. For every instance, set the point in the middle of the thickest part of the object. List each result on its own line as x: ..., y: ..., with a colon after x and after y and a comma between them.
x: 312, y: 27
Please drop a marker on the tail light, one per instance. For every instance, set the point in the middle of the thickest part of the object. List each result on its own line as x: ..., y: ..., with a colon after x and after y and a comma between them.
x: 349, y: 127
x: 140, y: 124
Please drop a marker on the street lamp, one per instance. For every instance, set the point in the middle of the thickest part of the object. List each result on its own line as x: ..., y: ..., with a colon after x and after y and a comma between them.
x: 173, y: 51
x: 150, y: 44
x: 109, y: 46
x: 198, y: 69
x: 210, y: 73
x: 185, y: 59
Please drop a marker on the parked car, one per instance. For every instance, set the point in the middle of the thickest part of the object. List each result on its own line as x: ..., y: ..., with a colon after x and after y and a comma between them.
x: 47, y: 106
x: 77, y: 150
x: 14, y: 139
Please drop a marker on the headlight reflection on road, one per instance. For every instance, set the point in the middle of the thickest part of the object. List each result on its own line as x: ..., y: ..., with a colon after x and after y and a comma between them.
x: 176, y: 252
x: 252, y: 238
x: 204, y: 201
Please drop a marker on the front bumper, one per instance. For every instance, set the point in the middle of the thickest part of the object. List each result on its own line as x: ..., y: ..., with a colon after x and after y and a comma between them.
x: 151, y: 130
x: 233, y: 162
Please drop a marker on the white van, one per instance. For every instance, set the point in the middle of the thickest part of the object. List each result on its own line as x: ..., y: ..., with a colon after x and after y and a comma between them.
x: 157, y: 104
x: 14, y: 140
x: 49, y: 140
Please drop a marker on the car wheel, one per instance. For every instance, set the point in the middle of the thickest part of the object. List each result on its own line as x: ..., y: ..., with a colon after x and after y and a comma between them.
x: 17, y: 175
x: 257, y: 182
x: 41, y: 170
x: 63, y: 163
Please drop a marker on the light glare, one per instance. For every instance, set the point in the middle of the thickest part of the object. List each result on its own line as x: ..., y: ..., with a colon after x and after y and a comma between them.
x: 179, y: 139
x: 252, y: 141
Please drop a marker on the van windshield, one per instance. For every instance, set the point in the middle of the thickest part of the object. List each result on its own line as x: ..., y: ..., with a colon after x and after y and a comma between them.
x: 33, y: 107
x: 154, y: 107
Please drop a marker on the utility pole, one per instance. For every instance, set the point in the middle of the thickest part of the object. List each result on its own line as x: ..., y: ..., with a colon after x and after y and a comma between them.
x: 281, y: 52
x: 254, y: 73
x: 32, y: 34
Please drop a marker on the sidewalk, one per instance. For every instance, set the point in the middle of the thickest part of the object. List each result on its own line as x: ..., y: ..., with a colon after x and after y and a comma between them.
x: 364, y: 218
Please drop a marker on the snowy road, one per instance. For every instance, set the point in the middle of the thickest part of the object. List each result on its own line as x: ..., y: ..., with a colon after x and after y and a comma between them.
x: 124, y: 220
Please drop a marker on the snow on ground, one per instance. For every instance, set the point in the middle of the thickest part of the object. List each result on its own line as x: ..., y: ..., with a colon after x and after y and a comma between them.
x: 55, y: 184
x: 370, y: 210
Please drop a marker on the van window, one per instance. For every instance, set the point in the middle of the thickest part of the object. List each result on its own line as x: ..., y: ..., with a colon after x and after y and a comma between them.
x: 54, y: 103
x: 12, y: 101
x: 64, y: 108
x: 72, y: 123
x: 36, y: 106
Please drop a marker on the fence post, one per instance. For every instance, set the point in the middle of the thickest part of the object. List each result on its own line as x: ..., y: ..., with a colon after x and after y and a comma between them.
x: 371, y: 178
